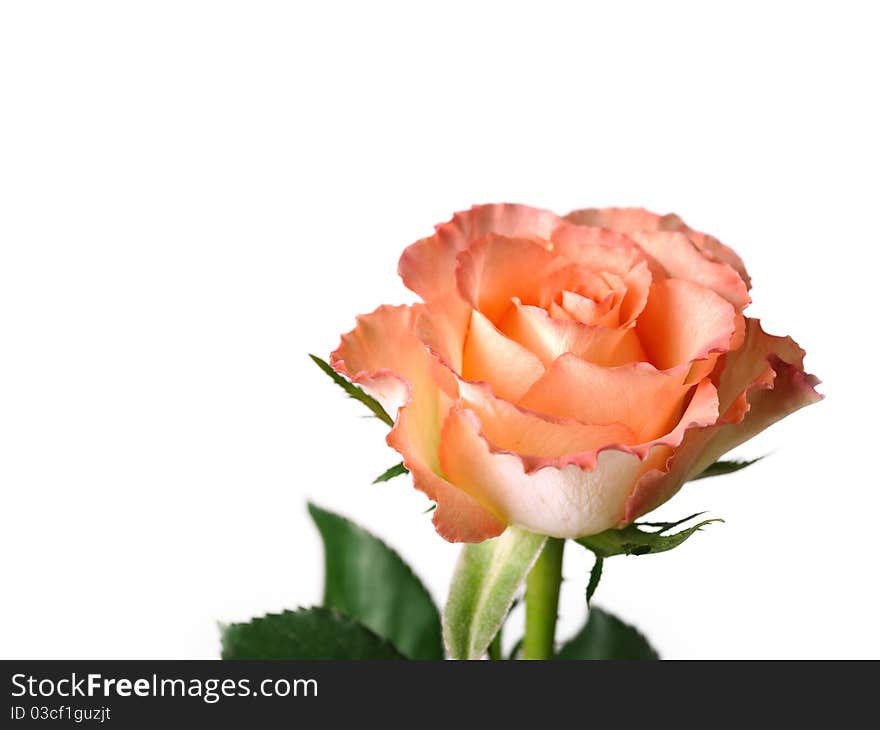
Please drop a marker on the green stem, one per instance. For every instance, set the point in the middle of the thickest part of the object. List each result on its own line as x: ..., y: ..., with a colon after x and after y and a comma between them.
x: 542, y: 601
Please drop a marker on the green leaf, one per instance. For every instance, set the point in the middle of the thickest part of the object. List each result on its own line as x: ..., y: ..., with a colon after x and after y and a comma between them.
x: 309, y: 633
x: 633, y: 540
x: 487, y: 576
x: 604, y: 636
x: 394, y: 471
x: 354, y: 391
x: 724, y: 467
x: 368, y: 581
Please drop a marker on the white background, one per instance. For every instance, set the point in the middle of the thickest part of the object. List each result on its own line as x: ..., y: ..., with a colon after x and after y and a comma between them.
x: 195, y: 195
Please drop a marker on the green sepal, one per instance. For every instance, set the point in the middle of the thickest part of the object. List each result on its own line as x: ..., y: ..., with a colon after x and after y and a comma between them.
x: 394, y: 471
x: 354, y: 391
x: 724, y: 467
x: 485, y: 582
x: 633, y: 540
x: 595, y: 577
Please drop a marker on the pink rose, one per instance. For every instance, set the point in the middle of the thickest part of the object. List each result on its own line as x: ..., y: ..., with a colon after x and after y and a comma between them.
x: 568, y: 375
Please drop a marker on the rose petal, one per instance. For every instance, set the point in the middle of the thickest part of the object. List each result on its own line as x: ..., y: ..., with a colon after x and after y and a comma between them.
x: 443, y: 329
x: 427, y: 267
x: 383, y: 355
x: 684, y: 321
x: 681, y: 259
x: 558, y: 312
x: 750, y: 363
x: 762, y: 382
x: 495, y: 269
x: 638, y: 286
x: 458, y: 516
x: 590, y: 311
x: 624, y: 220
x: 540, y: 440
x: 711, y: 246
x: 647, y: 400
x: 567, y: 502
x: 598, y: 248
x: 628, y: 220
x: 549, y: 337
x: 603, y: 250
x: 570, y: 501
x: 491, y: 357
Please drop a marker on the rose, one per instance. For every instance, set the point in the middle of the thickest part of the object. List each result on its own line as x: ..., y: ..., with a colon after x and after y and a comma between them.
x: 568, y: 375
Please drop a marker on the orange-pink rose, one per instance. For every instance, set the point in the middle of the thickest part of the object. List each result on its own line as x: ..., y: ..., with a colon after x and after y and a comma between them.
x: 567, y: 375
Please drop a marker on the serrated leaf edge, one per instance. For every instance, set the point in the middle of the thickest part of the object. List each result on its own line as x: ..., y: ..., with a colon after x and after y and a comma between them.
x: 318, y: 610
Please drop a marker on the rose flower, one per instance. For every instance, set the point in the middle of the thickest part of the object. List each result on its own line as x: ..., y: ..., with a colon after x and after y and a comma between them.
x: 568, y: 375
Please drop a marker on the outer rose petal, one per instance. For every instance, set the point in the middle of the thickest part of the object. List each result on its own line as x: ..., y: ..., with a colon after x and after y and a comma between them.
x: 629, y: 220
x: 762, y: 382
x: 647, y: 400
x: 749, y: 365
x: 792, y: 389
x: 624, y: 220
x: 364, y: 355
x: 680, y: 258
x: 427, y: 267
x: 567, y: 502
x: 458, y: 517
x: 718, y: 251
x: 383, y: 355
x: 570, y: 501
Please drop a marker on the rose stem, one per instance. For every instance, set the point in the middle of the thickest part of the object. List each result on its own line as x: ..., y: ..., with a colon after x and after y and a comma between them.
x: 542, y: 599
